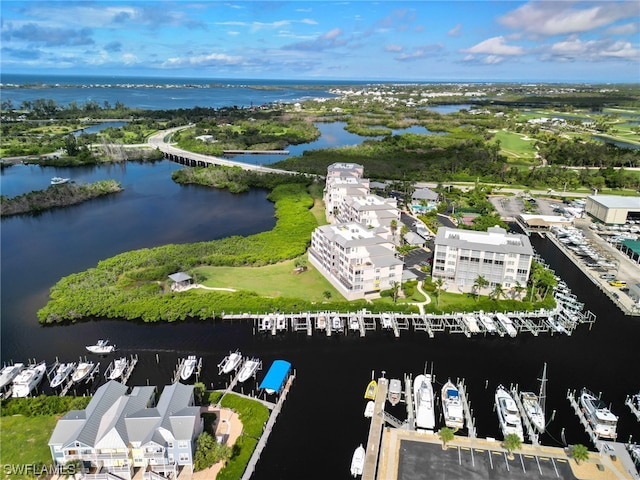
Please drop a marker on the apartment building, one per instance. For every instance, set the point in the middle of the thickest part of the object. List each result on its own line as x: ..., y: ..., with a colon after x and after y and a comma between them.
x: 460, y: 256
x: 371, y: 211
x: 339, y: 189
x: 119, y: 432
x: 356, y: 260
x: 343, y: 170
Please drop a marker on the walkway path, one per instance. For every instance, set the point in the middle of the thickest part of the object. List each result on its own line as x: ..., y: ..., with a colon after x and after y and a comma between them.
x: 426, y: 302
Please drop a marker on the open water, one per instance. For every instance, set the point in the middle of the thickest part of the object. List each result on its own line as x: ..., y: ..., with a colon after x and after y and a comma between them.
x: 322, y: 421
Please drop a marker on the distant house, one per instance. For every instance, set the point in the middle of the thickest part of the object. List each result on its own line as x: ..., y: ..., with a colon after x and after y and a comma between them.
x: 206, y: 138
x: 180, y: 280
x: 425, y: 194
x: 414, y: 239
x: 118, y: 432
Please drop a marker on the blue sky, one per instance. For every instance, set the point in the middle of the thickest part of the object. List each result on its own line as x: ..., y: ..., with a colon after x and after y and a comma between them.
x: 556, y: 40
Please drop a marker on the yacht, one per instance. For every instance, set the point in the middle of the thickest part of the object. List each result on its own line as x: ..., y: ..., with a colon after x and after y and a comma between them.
x: 423, y: 402
x: 28, y: 379
x: 281, y: 322
x: 230, y: 362
x: 337, y: 325
x: 395, y: 391
x: 7, y: 374
x: 534, y: 404
x: 248, y: 369
x: 321, y: 322
x: 118, y: 367
x: 59, y: 180
x: 265, y: 323
x: 357, y: 461
x: 188, y: 367
x: 102, y: 347
x: 471, y: 322
x: 62, y: 373
x: 487, y: 323
x: 452, y: 406
x: 507, y: 324
x: 354, y: 324
x: 508, y: 414
x: 601, y: 419
x: 84, y: 370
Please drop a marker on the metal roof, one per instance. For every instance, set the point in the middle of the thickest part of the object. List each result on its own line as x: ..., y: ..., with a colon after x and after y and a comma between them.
x: 179, y: 277
x: 275, y: 377
x: 617, y: 201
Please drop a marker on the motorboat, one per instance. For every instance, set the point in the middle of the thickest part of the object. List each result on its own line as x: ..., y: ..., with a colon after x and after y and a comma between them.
x: 321, y: 322
x: 62, y: 373
x: 368, y: 410
x: 7, y: 374
x: 101, y: 348
x: 372, y: 389
x: 602, y: 420
x: 248, y: 369
x: 281, y: 322
x: 230, y: 362
x: 354, y: 324
x: 118, y: 368
x: 84, y: 370
x: 506, y: 323
x: 337, y: 325
x: 188, y: 367
x: 471, y: 322
x: 395, y: 391
x: 452, y: 406
x: 386, y: 321
x: 487, y: 322
x: 28, y: 379
x: 423, y: 402
x: 266, y: 323
x: 508, y: 413
x: 533, y: 404
x: 357, y: 461
x: 59, y: 180
x: 555, y: 325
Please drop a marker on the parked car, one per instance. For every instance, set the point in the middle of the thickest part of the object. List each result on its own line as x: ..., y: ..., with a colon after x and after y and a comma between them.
x: 618, y: 283
x: 608, y: 276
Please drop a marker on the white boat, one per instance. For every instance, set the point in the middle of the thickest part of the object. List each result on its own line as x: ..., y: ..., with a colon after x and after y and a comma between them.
x: 508, y: 413
x: 555, y: 325
x: 188, y: 367
x: 83, y: 371
x: 601, y: 419
x: 337, y: 325
x: 266, y: 323
x: 248, y: 368
x: 101, y: 348
x: 471, y: 322
x: 281, y: 322
x: 321, y: 322
x: 28, y: 379
x: 354, y: 324
x: 395, y: 391
x: 368, y: 410
x: 534, y: 404
x: 423, y: 402
x: 487, y: 323
x: 452, y: 406
x: 357, y: 461
x: 118, y: 367
x: 507, y: 324
x: 62, y: 373
x: 9, y: 373
x: 230, y: 362
x: 386, y: 321
x: 59, y: 180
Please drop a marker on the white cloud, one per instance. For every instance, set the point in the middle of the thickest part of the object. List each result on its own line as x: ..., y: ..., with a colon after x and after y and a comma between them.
x: 593, y: 50
x: 495, y: 46
x: 130, y: 59
x: 455, y: 31
x: 393, y: 48
x: 308, y: 21
x: 626, y: 29
x: 203, y: 60
x: 557, y: 18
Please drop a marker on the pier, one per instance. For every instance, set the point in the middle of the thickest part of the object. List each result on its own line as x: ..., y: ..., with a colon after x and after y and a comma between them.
x: 375, y: 432
x: 177, y: 372
x: 531, y: 430
x: 599, y: 444
x: 629, y: 403
x: 468, y: 412
x: 126, y: 373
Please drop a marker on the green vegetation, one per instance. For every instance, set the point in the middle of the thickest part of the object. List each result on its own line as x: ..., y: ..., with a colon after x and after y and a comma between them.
x: 25, y: 441
x: 511, y: 443
x: 57, y: 196
x: 580, y: 453
x: 42, y: 405
x: 446, y: 435
x: 208, y: 452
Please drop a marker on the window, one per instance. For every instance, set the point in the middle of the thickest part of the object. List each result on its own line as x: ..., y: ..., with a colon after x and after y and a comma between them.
x: 170, y: 444
x: 184, y: 457
x: 183, y: 444
x: 171, y: 460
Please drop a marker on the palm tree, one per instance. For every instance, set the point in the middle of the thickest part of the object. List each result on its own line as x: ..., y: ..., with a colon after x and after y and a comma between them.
x: 446, y: 435
x: 479, y: 283
x: 438, y: 283
x: 326, y: 294
x: 394, y: 289
x: 512, y: 442
x: 519, y: 288
x: 498, y: 292
x: 580, y: 453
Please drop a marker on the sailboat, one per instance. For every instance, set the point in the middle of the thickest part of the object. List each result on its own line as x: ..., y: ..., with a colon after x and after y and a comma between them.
x: 534, y: 404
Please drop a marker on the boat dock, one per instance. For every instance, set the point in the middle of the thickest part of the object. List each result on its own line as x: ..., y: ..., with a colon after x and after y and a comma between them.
x: 255, y: 457
x: 531, y: 431
x: 178, y: 370
x: 468, y: 411
x: 629, y: 403
x: 375, y: 432
x: 131, y: 364
x: 599, y: 444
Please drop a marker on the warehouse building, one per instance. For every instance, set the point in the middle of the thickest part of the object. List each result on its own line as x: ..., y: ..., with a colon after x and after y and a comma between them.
x: 612, y: 209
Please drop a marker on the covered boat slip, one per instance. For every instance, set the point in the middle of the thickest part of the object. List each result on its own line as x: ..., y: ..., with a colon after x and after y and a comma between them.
x: 276, y: 376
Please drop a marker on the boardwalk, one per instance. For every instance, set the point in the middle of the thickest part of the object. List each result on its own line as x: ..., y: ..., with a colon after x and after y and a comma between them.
x: 375, y: 432
x: 159, y: 142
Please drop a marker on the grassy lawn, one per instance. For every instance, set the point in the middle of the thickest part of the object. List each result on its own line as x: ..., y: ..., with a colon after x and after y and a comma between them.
x: 23, y: 441
x: 271, y: 281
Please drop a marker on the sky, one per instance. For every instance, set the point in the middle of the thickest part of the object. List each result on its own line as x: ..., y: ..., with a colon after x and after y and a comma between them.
x: 458, y: 41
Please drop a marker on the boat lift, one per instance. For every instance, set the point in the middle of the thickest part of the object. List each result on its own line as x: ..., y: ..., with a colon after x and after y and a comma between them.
x: 599, y: 444
x: 629, y: 403
x: 531, y: 431
x: 468, y: 411
x: 178, y: 370
x: 88, y: 379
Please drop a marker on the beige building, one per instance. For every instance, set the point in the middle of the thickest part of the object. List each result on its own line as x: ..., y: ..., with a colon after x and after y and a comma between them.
x: 371, y: 211
x: 611, y: 209
x: 356, y: 260
x: 460, y: 256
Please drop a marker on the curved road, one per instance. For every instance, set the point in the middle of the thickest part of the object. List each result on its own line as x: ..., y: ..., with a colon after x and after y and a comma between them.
x: 158, y: 142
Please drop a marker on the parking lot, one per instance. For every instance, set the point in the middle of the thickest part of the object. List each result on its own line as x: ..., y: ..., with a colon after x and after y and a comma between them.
x: 511, y: 206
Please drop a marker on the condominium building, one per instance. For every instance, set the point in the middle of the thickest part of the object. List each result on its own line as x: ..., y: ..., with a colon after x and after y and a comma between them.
x: 371, y: 211
x: 343, y: 170
x: 341, y: 188
x: 461, y: 256
x: 356, y: 260
x: 119, y: 432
